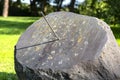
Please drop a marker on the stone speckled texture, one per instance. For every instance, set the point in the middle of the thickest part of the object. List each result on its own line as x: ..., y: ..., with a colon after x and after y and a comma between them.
x: 86, y: 50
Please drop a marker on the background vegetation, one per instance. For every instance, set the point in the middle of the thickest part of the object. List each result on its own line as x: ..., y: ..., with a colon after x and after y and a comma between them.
x: 108, y: 10
x: 12, y: 27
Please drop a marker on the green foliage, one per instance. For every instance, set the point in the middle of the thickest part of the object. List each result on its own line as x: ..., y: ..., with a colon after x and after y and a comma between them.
x: 108, y: 10
x: 19, y: 10
x: 114, y: 10
x: 93, y: 8
x: 116, y: 31
x: 10, y: 30
x: 104, y: 9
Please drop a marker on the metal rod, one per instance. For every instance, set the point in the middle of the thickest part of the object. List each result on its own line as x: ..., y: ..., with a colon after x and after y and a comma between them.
x: 36, y: 44
x: 50, y: 26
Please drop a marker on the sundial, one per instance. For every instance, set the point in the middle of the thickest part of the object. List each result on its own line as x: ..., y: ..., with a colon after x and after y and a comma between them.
x: 60, y: 40
x: 53, y: 37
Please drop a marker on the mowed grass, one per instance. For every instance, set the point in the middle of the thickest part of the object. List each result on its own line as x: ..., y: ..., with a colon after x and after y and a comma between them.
x: 10, y: 30
x: 118, y: 40
x: 7, y: 43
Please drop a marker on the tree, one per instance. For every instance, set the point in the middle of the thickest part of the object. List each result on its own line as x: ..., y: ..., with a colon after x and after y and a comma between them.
x: 38, y: 5
x: 114, y: 10
x: 1, y: 6
x: 18, y: 3
x: 42, y: 5
x: 33, y: 8
x: 71, y: 6
x: 58, y: 4
x: 5, y: 8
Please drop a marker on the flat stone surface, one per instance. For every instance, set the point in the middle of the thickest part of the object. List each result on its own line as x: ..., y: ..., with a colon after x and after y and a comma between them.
x: 76, y: 55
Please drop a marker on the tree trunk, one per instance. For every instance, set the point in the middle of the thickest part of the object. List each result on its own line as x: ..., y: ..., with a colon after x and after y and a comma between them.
x: 43, y: 4
x: 33, y: 8
x: 19, y: 3
x: 71, y: 6
x: 5, y: 8
x: 59, y: 5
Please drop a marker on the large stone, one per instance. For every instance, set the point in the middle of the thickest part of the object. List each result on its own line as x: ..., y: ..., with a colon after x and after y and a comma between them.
x: 86, y: 50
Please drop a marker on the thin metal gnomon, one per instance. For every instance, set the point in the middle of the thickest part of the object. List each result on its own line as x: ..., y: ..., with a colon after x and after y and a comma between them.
x: 55, y: 35
x: 50, y: 26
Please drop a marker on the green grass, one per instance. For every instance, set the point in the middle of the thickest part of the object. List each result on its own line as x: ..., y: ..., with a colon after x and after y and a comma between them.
x: 118, y: 40
x: 10, y: 30
x: 116, y: 31
x: 15, y: 25
x: 6, y: 57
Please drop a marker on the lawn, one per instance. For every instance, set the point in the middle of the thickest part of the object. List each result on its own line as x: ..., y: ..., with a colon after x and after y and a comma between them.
x: 10, y: 30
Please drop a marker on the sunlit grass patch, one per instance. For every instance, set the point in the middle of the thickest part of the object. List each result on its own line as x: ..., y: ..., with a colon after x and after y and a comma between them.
x: 7, y: 56
x: 10, y: 30
x: 15, y: 25
x: 118, y: 41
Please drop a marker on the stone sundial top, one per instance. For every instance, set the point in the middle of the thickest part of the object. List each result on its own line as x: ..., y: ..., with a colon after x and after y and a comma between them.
x: 81, y: 38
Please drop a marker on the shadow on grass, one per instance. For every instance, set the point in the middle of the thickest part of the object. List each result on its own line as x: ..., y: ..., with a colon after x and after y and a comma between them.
x: 14, y: 27
x: 116, y: 32
x: 8, y: 76
x: 8, y: 27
